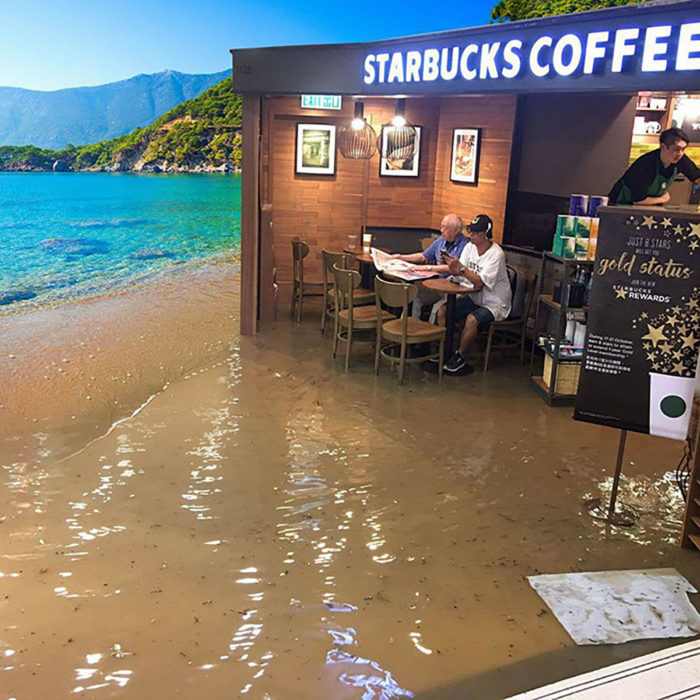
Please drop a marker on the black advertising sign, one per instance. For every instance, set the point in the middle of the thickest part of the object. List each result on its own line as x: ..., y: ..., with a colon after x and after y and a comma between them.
x: 643, y: 334
x: 648, y: 46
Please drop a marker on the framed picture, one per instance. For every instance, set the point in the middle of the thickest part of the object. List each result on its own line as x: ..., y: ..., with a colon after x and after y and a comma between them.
x: 400, y: 153
x: 315, y: 149
x: 466, y: 144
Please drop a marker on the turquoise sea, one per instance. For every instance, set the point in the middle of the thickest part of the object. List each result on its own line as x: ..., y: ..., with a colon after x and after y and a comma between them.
x: 67, y: 236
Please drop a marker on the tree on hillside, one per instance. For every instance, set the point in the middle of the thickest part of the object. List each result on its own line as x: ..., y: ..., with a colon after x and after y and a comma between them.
x: 511, y: 10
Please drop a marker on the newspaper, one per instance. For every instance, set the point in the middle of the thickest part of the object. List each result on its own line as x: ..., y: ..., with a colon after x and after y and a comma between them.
x: 399, y: 268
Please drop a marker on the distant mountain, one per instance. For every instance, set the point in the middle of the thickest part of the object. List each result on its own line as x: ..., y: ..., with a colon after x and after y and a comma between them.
x: 200, y: 135
x: 88, y: 114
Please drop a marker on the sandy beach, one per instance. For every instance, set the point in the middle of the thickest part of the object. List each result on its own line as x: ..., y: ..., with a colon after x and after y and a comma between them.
x: 269, y: 526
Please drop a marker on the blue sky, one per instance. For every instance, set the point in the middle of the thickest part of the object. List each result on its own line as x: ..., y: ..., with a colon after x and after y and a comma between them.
x: 53, y: 44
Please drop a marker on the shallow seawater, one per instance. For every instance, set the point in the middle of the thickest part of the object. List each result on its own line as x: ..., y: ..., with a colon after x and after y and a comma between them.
x: 68, y: 236
x: 271, y: 526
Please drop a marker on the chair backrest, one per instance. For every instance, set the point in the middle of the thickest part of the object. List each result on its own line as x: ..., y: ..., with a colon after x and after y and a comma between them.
x: 425, y: 243
x: 345, y: 282
x: 530, y: 296
x: 524, y: 296
x: 395, y: 295
x: 343, y: 260
x: 299, y: 251
x: 512, y: 279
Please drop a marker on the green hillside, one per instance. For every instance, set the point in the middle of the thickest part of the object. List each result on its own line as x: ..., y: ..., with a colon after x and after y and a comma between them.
x: 200, y: 134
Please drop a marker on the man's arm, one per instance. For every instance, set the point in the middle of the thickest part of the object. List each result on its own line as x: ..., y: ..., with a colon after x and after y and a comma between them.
x: 411, y: 257
x: 459, y: 267
x: 689, y: 169
x: 650, y: 201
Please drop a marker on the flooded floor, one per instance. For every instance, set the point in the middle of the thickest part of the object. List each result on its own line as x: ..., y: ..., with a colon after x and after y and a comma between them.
x: 270, y: 526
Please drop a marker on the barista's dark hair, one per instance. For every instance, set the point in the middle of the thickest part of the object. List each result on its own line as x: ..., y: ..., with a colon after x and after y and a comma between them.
x: 670, y: 136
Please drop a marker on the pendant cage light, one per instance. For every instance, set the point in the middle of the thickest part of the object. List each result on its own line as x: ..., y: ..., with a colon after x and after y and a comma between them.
x: 357, y: 140
x: 403, y: 136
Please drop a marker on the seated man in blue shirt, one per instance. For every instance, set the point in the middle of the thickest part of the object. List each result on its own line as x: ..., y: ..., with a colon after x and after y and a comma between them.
x: 451, y: 241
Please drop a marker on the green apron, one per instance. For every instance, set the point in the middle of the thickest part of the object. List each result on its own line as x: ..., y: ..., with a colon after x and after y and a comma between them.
x: 658, y: 186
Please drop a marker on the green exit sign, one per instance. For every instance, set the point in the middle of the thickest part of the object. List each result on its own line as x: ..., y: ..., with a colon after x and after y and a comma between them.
x: 321, y: 102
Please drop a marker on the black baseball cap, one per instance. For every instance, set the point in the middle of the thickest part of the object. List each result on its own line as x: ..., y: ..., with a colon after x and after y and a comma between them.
x: 481, y: 224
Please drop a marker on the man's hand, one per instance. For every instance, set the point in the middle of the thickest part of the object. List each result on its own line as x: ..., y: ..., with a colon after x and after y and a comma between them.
x: 396, y: 256
x: 455, y: 266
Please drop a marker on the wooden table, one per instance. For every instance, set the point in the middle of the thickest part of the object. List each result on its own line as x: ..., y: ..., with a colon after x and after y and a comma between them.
x: 444, y: 286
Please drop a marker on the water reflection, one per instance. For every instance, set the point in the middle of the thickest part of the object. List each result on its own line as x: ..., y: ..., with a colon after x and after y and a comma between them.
x: 657, y: 501
x: 313, y: 510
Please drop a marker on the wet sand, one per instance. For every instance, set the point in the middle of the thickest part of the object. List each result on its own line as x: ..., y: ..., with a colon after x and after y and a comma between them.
x: 270, y: 526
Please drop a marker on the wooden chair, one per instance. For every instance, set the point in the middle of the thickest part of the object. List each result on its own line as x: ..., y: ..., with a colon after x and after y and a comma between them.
x: 512, y: 325
x: 300, y: 287
x: 403, y: 331
x: 345, y: 262
x: 426, y: 242
x: 348, y: 317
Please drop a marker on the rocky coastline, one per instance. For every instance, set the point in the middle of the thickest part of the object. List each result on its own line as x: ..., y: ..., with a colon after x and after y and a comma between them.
x: 163, y: 167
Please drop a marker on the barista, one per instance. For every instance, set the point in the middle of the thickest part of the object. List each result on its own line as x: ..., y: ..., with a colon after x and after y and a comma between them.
x: 647, y: 180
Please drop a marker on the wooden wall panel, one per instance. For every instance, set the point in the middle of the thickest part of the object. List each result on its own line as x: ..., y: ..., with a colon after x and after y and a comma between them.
x: 320, y: 209
x: 404, y: 201
x: 495, y: 115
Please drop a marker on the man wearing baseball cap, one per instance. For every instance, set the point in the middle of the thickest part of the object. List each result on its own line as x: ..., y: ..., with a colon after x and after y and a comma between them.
x: 483, y: 264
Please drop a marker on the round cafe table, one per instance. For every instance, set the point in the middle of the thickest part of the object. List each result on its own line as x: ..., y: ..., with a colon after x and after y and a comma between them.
x: 444, y: 286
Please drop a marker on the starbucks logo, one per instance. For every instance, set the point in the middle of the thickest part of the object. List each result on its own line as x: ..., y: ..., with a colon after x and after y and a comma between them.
x: 673, y: 406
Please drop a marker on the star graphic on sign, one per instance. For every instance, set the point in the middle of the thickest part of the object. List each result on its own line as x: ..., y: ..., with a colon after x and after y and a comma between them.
x: 650, y: 356
x: 688, y: 341
x: 682, y: 329
x: 647, y: 346
x: 678, y: 229
x: 621, y: 293
x: 644, y: 314
x: 655, y: 365
x: 693, y: 245
x: 649, y: 222
x: 664, y: 347
x: 671, y: 320
x: 679, y: 367
x: 666, y: 222
x: 693, y: 304
x: 677, y: 355
x: 694, y: 229
x: 656, y: 335
x: 676, y: 309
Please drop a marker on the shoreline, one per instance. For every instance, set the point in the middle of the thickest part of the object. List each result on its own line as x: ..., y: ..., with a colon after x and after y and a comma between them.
x: 70, y: 372
x: 225, y: 169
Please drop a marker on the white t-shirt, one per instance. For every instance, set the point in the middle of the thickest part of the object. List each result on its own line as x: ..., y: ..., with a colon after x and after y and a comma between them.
x: 495, y: 295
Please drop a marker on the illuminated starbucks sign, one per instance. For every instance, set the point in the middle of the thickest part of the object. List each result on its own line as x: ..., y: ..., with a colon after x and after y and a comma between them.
x: 655, y: 49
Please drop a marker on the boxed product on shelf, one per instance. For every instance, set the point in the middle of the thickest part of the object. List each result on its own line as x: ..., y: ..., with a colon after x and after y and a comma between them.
x: 581, y: 248
x: 578, y: 204
x: 564, y: 246
x: 593, y: 240
x: 565, y: 225
x: 582, y: 227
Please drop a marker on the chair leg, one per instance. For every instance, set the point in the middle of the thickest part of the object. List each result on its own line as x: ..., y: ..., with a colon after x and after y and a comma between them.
x: 442, y: 358
x: 377, y: 353
x: 402, y: 360
x: 336, y: 335
x: 300, y: 304
x: 348, y: 347
x: 294, y: 299
x: 522, y: 344
x: 324, y: 313
x: 488, y: 348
